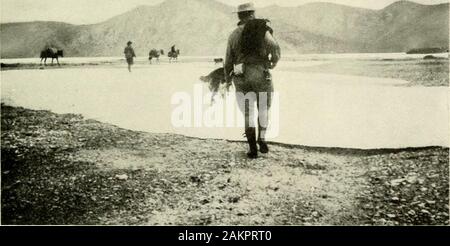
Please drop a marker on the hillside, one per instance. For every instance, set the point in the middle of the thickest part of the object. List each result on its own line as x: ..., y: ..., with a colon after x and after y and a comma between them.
x: 396, y: 28
x: 201, y: 27
x: 27, y: 39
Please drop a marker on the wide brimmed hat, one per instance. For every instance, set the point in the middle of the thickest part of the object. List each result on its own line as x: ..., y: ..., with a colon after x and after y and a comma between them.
x: 245, y: 7
x: 129, y: 42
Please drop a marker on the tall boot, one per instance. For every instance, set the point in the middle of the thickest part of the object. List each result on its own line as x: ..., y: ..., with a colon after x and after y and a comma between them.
x: 250, y: 133
x: 262, y: 140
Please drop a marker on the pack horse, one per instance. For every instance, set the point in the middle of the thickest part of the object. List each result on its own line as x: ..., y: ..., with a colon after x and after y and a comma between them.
x: 51, y: 53
x: 155, y: 54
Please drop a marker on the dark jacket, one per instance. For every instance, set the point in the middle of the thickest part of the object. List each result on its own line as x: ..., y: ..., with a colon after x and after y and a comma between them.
x: 236, y: 56
x: 129, y: 52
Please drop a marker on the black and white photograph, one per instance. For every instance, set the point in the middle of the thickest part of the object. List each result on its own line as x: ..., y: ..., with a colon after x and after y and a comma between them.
x: 224, y: 113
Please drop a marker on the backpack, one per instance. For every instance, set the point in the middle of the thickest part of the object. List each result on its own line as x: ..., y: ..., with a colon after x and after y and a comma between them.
x: 252, y: 38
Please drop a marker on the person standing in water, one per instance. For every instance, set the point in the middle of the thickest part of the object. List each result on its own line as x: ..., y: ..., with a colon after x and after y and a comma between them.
x: 129, y: 54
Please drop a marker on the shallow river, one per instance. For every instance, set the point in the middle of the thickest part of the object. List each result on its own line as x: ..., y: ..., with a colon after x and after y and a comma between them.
x: 310, y: 109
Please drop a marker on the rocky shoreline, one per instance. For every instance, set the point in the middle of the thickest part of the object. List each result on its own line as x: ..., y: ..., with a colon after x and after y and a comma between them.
x: 64, y: 169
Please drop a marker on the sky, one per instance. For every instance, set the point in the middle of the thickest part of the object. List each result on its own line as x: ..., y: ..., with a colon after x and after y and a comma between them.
x: 94, y: 11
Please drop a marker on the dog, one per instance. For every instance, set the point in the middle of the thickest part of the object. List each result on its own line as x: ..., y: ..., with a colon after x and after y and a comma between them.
x: 216, y: 80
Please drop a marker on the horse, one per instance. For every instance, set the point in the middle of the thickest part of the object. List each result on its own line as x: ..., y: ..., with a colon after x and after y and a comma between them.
x: 52, y: 53
x: 173, y: 56
x: 154, y: 54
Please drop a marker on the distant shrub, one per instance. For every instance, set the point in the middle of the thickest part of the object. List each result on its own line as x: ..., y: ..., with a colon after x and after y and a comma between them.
x: 427, y: 50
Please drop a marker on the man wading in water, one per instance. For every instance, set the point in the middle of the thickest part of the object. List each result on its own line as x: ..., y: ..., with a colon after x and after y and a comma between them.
x: 251, y: 52
x: 129, y: 55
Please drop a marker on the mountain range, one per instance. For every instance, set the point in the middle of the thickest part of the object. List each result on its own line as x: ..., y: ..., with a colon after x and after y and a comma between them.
x: 201, y: 27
